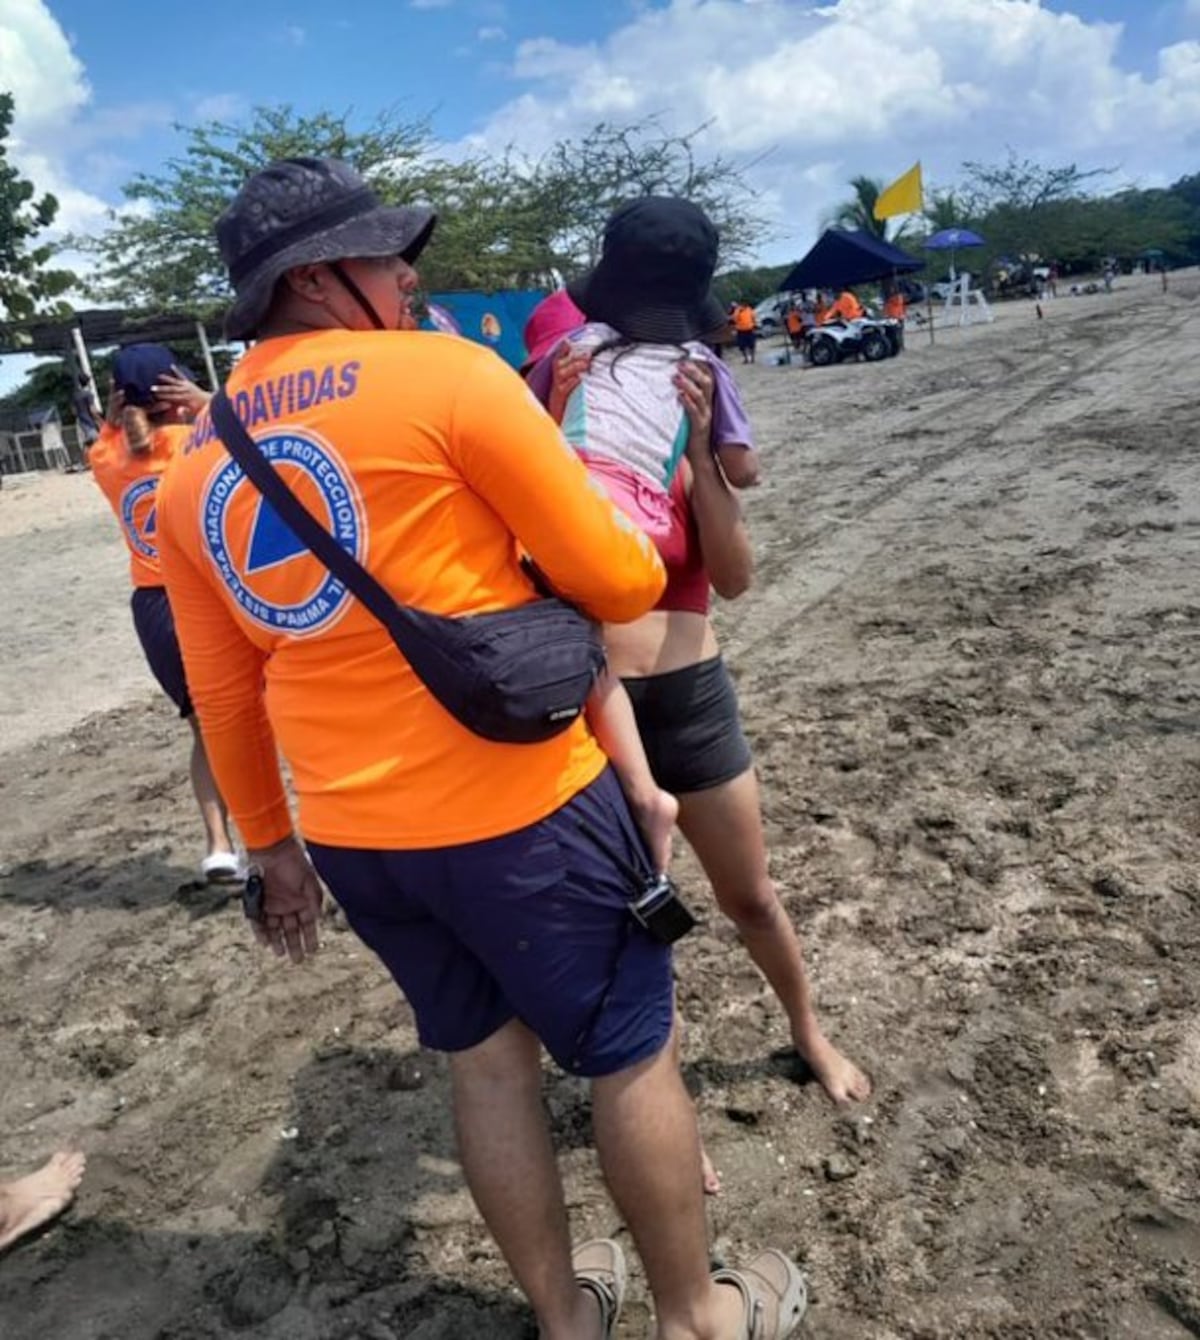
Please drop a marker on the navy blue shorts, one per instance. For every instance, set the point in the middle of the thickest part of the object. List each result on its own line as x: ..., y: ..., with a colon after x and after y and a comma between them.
x: 533, y: 925
x: 155, y: 626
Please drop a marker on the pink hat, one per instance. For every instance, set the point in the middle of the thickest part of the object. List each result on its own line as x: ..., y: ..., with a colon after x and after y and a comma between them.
x: 552, y: 319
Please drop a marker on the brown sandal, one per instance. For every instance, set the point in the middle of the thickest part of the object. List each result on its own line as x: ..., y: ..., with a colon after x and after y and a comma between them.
x: 600, y: 1269
x: 774, y: 1295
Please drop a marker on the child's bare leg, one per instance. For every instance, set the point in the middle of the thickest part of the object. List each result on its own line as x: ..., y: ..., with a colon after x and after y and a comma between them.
x: 610, y: 715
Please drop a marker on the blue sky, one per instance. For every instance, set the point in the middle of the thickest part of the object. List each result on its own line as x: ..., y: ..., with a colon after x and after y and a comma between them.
x: 808, y: 92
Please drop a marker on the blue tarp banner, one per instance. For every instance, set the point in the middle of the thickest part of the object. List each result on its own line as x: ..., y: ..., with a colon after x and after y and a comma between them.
x: 495, y: 319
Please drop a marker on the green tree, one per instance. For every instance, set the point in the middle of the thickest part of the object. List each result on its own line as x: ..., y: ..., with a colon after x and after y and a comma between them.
x: 503, y: 221
x: 751, y: 285
x: 164, y: 255
x: 859, y: 211
x: 27, y: 283
x: 946, y: 209
x: 53, y: 382
x: 578, y: 184
x: 1024, y: 184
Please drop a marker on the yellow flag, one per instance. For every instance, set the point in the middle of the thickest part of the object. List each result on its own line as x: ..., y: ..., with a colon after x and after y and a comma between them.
x: 903, y: 196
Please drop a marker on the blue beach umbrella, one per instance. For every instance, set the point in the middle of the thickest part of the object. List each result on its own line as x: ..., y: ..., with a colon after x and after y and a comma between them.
x: 950, y: 239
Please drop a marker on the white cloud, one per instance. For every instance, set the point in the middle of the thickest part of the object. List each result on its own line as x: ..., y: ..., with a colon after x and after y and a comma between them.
x: 814, y: 94
x: 490, y: 34
x: 294, y: 35
x: 60, y: 140
x: 39, y: 68
x: 430, y: 4
x: 49, y: 90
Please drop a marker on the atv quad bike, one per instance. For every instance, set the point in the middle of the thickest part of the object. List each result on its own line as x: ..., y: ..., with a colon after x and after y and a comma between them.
x: 869, y: 338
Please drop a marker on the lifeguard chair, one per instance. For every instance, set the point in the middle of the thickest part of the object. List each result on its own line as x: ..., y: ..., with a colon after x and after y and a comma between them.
x: 969, y: 302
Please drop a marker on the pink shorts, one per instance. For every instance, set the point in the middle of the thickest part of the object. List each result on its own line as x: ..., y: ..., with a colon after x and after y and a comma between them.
x: 646, y: 504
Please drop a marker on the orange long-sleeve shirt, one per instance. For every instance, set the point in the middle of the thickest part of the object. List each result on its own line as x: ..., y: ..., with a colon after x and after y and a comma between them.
x: 428, y: 458
x: 846, y: 308
x: 130, y: 483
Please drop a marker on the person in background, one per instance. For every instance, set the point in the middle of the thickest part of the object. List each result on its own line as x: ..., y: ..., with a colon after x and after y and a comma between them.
x: 153, y: 403
x: 87, y: 410
x: 895, y: 305
x: 846, y: 307
x: 683, y: 695
x: 794, y: 323
x: 745, y: 329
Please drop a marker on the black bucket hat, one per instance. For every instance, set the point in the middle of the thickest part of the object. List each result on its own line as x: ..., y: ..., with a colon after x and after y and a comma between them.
x: 652, y: 280
x: 300, y: 211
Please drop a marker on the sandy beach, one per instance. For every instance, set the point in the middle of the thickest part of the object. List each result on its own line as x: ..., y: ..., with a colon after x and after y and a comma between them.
x: 969, y: 669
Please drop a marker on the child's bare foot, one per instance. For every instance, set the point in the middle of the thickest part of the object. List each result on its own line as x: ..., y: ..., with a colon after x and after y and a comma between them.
x: 710, y: 1178
x: 32, y: 1201
x: 841, y: 1079
x: 656, y: 816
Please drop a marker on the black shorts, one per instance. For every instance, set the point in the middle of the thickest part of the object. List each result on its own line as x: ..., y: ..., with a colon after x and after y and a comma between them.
x: 746, y: 339
x: 155, y: 626
x: 690, y: 726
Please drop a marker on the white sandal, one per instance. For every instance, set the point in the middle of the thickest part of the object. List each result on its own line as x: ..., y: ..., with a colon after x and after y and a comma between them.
x: 600, y: 1269
x: 774, y: 1294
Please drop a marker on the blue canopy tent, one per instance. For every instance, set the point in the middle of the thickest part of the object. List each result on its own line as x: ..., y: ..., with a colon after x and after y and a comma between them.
x: 841, y: 258
x: 495, y: 319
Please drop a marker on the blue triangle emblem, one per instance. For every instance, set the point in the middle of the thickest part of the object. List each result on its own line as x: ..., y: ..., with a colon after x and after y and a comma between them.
x: 272, y: 541
x: 151, y: 526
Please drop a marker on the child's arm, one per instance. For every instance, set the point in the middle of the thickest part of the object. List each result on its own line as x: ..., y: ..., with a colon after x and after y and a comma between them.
x: 610, y: 715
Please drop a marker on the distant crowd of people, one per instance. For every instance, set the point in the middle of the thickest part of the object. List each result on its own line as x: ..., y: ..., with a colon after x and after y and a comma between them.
x: 802, y: 313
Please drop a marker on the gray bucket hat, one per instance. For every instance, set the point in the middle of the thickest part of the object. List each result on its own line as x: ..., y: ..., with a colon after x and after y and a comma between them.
x: 300, y: 211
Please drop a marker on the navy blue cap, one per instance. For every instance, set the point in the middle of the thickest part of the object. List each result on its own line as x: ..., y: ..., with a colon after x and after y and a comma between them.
x: 138, y: 368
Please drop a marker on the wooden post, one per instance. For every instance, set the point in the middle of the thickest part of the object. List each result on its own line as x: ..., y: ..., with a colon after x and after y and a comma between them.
x: 85, y: 363
x: 209, y: 366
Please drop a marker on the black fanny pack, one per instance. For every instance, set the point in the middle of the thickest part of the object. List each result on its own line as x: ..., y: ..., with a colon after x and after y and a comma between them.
x: 516, y: 676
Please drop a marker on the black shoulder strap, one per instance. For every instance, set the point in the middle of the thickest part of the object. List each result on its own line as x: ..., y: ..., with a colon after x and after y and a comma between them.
x: 299, y: 520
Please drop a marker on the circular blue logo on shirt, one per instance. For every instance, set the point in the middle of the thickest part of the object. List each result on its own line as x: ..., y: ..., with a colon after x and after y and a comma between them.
x: 139, y: 515
x: 265, y: 567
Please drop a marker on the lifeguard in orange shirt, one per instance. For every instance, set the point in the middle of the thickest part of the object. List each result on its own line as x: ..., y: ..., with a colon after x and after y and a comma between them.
x: 745, y: 329
x: 155, y: 400
x: 495, y: 881
x: 846, y: 308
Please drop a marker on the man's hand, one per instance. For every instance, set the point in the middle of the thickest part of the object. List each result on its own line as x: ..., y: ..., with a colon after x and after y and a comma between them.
x: 570, y: 365
x: 174, y: 389
x: 292, y: 899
